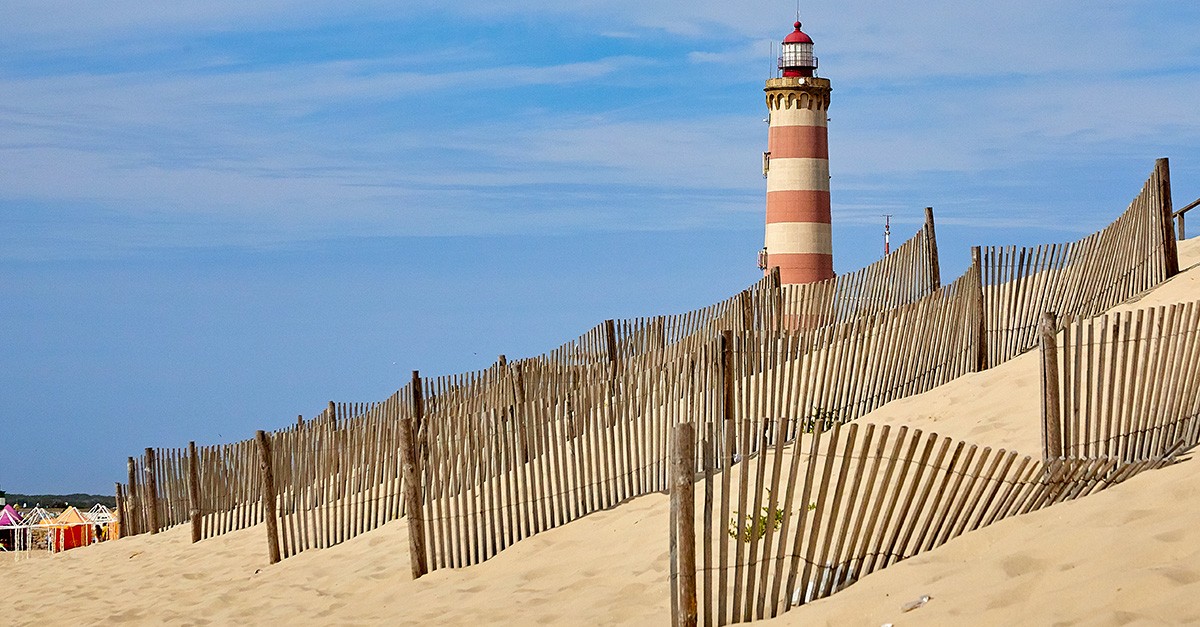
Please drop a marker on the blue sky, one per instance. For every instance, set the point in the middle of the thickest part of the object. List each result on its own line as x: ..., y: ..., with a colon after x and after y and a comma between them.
x: 216, y: 217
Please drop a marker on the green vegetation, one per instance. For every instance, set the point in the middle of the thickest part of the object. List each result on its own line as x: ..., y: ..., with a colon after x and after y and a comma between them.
x: 82, y: 501
x: 755, y: 527
x: 821, y: 419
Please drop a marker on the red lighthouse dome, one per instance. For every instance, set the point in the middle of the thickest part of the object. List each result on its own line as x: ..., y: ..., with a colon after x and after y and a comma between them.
x: 796, y: 58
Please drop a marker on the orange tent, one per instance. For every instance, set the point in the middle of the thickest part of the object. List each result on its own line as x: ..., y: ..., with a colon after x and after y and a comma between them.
x: 69, y: 530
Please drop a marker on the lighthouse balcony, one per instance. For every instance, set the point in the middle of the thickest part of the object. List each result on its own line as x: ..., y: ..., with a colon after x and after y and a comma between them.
x: 798, y: 82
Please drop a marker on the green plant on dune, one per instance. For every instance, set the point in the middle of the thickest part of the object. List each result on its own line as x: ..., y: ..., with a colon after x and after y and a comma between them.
x: 749, y: 527
x: 821, y: 419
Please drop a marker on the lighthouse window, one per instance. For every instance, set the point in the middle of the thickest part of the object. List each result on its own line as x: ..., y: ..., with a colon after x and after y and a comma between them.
x: 797, y: 55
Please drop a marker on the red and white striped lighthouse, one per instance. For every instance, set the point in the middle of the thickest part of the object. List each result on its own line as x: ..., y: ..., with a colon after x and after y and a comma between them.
x: 798, y: 238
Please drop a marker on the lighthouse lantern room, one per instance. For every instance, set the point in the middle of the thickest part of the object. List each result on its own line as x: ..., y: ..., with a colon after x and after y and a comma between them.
x: 796, y: 54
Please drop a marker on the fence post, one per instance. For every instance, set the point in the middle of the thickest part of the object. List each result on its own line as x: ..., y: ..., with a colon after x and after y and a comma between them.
x: 268, y: 494
x: 610, y: 338
x: 331, y: 413
x: 1170, y: 250
x: 300, y: 421
x: 935, y: 271
x: 1052, y: 446
x: 1182, y: 233
x: 412, y: 490
x: 152, y: 490
x: 777, y: 298
x: 122, y: 511
x: 977, y: 309
x: 726, y: 347
x: 418, y: 392
x: 683, y: 506
x: 135, y: 510
x: 194, y: 490
x: 744, y: 300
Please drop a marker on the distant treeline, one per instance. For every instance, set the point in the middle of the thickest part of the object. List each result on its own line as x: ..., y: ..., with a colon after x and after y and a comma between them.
x: 82, y: 501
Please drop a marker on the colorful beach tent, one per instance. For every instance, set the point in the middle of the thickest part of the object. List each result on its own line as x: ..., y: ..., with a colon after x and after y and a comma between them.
x: 9, y: 517
x: 9, y: 520
x: 105, y: 521
x: 69, y: 530
x: 36, y: 516
x: 31, y: 533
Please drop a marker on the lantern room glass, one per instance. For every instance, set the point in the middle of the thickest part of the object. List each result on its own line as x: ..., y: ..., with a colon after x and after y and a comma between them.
x: 797, y: 55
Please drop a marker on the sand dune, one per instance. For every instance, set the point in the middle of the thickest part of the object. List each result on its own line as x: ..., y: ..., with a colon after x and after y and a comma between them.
x: 1001, y: 407
x: 1131, y: 553
x: 572, y: 575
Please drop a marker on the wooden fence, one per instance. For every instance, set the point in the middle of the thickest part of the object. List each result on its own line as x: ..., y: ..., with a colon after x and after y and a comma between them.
x: 906, y: 275
x: 807, y: 507
x: 503, y: 465
x: 481, y: 460
x: 1181, y: 214
x: 230, y: 475
x: 792, y: 521
x: 1125, y: 386
x: 1080, y: 279
x: 226, y: 495
x: 333, y: 480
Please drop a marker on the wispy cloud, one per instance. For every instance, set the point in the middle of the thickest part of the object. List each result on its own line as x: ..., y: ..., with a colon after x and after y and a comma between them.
x: 660, y: 129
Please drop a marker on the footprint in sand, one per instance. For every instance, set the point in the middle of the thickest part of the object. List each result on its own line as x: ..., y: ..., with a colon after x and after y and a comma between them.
x: 1175, y: 535
x: 1136, y: 514
x: 1018, y: 565
x: 1178, y: 575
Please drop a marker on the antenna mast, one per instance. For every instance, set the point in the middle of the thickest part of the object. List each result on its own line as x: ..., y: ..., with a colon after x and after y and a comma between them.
x: 887, y: 233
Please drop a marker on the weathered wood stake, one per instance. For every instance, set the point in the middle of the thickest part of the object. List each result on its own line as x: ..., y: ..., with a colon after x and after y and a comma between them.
x: 413, y: 509
x: 747, y: 310
x: 683, y: 506
x: 268, y: 495
x: 978, y: 311
x: 725, y: 345
x: 1052, y: 446
x: 935, y: 271
x: 1170, y: 251
x: 777, y: 299
x: 610, y: 336
x: 418, y: 392
x: 122, y: 511
x: 151, y: 491
x: 135, y: 510
x: 194, y: 490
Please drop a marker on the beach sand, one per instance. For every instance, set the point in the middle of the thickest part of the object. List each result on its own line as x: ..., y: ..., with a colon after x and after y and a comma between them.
x: 1131, y: 553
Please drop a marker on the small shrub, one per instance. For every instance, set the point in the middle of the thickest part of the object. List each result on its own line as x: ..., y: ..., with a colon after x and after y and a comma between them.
x: 750, y: 528
x: 821, y: 419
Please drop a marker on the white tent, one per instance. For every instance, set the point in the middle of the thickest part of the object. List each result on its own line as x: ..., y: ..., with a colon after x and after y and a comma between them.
x: 100, y: 515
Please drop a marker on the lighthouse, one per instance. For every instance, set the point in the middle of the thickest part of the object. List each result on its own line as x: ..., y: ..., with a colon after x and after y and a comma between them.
x: 798, y: 239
